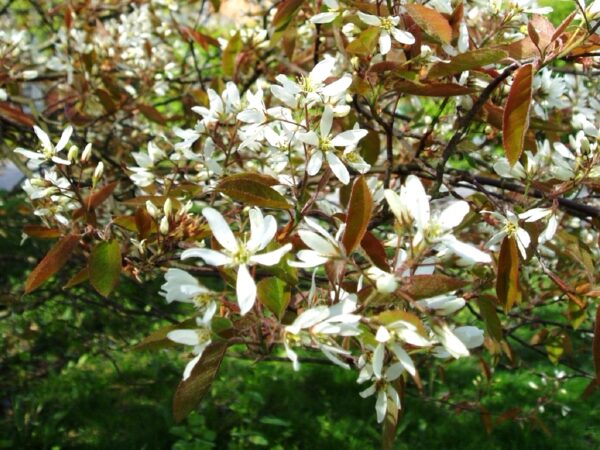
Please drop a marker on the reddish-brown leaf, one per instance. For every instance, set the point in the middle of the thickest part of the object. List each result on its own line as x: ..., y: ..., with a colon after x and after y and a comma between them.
x: 431, y: 21
x: 189, y: 393
x: 96, y: 199
x: 508, y: 290
x: 78, y: 278
x: 375, y: 250
x: 41, y: 232
x: 52, y: 262
x: 359, y: 214
x: 425, y: 286
x: 563, y: 26
x: 151, y: 113
x: 515, y: 120
x: 15, y: 115
x: 432, y: 89
x: 286, y: 11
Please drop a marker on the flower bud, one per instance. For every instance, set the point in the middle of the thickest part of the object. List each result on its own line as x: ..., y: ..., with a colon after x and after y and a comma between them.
x: 152, y: 209
x: 87, y: 153
x: 73, y: 152
x: 164, y: 225
x: 98, y: 172
x: 168, y: 207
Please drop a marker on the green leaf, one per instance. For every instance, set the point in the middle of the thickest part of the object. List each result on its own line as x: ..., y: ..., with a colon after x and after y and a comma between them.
x: 432, y: 89
x: 365, y: 42
x: 487, y: 309
x: 234, y: 46
x: 286, y: 11
x: 431, y: 21
x: 52, y: 262
x: 105, y: 267
x: 508, y: 290
x: 272, y: 293
x: 467, y: 61
x: 515, y: 120
x: 252, y: 192
x: 359, y: 214
x: 190, y: 392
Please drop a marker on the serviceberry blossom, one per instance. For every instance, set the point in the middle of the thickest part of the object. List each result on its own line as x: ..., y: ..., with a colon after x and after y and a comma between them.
x: 510, y: 228
x: 324, y: 146
x: 387, y: 29
x: 237, y: 252
x: 49, y: 151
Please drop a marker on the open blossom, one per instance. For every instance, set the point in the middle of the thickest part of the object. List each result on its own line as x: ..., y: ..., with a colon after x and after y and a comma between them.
x: 511, y: 228
x: 324, y: 146
x: 317, y: 327
x: 221, y: 107
x: 199, y: 338
x: 413, y: 203
x: 322, y: 246
x: 457, y: 342
x: 332, y: 13
x: 387, y: 29
x: 535, y: 214
x: 49, y: 151
x: 310, y: 88
x: 382, y: 387
x: 237, y: 252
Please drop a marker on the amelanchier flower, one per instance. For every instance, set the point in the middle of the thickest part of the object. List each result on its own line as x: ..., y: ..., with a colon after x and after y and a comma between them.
x: 317, y: 327
x: 199, y: 338
x: 457, y: 342
x: 510, y: 228
x: 325, y: 146
x: 332, y: 13
x: 385, y: 391
x: 182, y: 287
x: 237, y: 252
x: 49, y: 151
x: 535, y: 214
x: 433, y: 229
x: 322, y: 246
x: 387, y: 28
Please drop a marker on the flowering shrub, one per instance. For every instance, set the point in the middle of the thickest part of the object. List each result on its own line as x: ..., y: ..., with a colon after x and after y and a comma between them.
x: 389, y: 184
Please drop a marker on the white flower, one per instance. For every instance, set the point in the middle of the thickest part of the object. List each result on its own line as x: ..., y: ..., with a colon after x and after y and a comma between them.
x: 317, y: 327
x: 240, y: 253
x: 511, y: 228
x: 332, y: 13
x: 457, y: 342
x: 49, y: 151
x: 385, y: 390
x: 221, y: 107
x: 535, y: 214
x: 199, y: 338
x: 324, y: 146
x: 322, y: 246
x: 387, y: 27
x: 413, y: 202
x: 443, y: 304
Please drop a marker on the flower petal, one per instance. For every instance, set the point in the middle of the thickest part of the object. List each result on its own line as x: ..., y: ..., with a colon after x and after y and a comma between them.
x: 350, y: 137
x: 245, y: 289
x: 210, y: 257
x: 271, y: 258
x: 338, y: 168
x: 220, y: 229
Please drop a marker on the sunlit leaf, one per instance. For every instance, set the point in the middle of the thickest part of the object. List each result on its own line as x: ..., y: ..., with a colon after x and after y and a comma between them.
x: 52, y: 262
x: 252, y: 192
x: 359, y: 214
x: 515, y: 121
x: 431, y: 21
x: 105, y: 266
x: 508, y: 289
x: 467, y: 61
x: 272, y: 293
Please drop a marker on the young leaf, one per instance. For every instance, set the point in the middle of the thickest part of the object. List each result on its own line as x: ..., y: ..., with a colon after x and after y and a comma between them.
x: 467, y: 61
x: 515, y: 121
x: 425, y: 286
x: 272, y: 293
x: 52, y: 262
x: 432, y: 89
x: 286, y: 11
x: 508, y: 290
x: 487, y: 309
x: 359, y: 214
x: 105, y: 266
x: 95, y: 199
x: 431, y: 21
x: 78, y: 278
x: 158, y: 339
x: 189, y: 393
x: 15, y: 115
x: 252, y: 192
x: 365, y: 42
x: 230, y: 53
x: 375, y: 250
x: 41, y: 232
